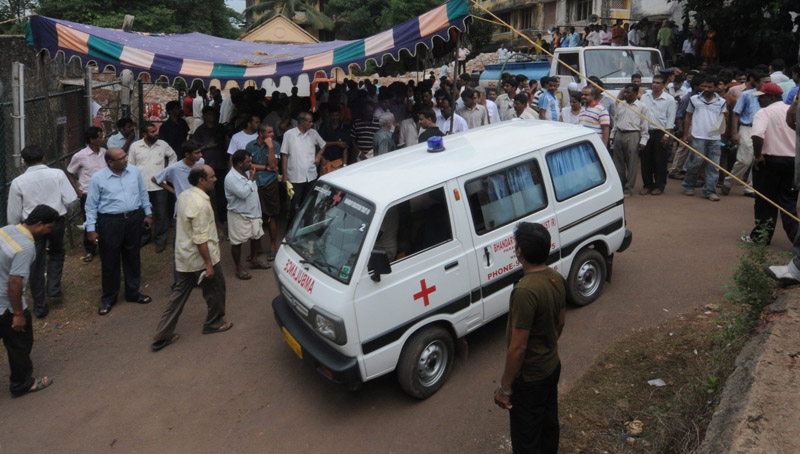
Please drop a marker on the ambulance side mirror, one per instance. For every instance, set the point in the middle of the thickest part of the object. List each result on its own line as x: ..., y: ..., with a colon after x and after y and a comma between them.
x: 378, y: 264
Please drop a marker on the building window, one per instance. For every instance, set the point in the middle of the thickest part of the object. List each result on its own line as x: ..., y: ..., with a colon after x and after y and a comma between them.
x: 525, y: 18
x: 505, y: 17
x: 582, y: 8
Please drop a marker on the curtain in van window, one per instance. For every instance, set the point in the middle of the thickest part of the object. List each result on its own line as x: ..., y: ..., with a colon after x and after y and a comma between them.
x: 574, y: 170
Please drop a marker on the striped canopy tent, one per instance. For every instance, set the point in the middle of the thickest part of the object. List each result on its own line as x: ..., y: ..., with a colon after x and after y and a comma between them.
x: 194, y: 56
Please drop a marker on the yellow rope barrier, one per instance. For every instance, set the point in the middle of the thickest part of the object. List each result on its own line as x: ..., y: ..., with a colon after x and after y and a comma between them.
x: 620, y: 102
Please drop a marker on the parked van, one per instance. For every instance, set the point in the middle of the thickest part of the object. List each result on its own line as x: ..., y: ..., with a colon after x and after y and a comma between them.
x: 390, y: 260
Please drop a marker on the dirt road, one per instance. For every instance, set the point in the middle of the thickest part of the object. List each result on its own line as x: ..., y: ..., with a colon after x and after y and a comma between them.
x: 246, y: 391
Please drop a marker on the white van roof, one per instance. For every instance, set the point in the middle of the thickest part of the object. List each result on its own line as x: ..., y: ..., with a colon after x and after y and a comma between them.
x: 395, y: 175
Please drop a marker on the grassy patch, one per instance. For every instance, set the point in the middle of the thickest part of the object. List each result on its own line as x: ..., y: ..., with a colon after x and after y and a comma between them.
x: 612, y: 408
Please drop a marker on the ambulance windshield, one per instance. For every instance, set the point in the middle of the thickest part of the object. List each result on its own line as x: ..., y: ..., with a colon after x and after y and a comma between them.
x: 329, y: 230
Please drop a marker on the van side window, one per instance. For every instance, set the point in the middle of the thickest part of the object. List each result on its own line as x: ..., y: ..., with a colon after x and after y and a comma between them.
x: 575, y: 170
x: 415, y: 225
x: 571, y: 59
x: 505, y: 196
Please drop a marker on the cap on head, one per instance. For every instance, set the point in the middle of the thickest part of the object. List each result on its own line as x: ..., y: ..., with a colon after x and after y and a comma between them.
x: 769, y: 89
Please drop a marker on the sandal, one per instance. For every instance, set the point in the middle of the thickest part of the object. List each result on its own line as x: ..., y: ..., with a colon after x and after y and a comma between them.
x: 158, y: 345
x: 144, y: 299
x: 39, y: 384
x: 271, y: 255
x: 87, y: 258
x: 260, y: 266
x: 243, y: 275
x: 104, y: 309
x: 224, y: 327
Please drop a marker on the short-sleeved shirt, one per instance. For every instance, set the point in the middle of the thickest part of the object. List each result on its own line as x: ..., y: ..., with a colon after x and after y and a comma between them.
x: 17, y: 252
x: 194, y: 225
x: 86, y: 163
x: 551, y: 106
x: 746, y: 107
x: 595, y: 117
x: 535, y: 306
x: 363, y: 132
x: 149, y: 159
x: 705, y: 115
x: 116, y: 141
x: 242, y: 195
x: 300, y: 148
x: 770, y: 125
x: 331, y: 134
x: 177, y: 174
x: 240, y: 140
x: 260, y: 156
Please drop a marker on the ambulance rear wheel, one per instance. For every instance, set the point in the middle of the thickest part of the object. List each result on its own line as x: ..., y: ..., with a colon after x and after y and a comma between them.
x: 425, y: 362
x: 586, y: 278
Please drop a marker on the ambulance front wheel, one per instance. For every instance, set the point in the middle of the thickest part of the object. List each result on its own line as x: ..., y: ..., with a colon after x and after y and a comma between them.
x: 425, y: 362
x: 586, y: 278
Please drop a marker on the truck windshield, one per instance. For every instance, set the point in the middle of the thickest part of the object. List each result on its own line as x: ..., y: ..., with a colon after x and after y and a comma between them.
x: 329, y: 230
x: 618, y: 63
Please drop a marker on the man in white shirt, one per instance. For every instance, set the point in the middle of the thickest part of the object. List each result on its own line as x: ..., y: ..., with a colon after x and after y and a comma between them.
x: 521, y: 109
x: 505, y: 102
x: 702, y: 115
x: 197, y: 109
x: 776, y: 69
x: 630, y: 134
x: 491, y: 107
x: 148, y: 155
x: 240, y: 140
x: 245, y: 223
x: 502, y: 54
x: 593, y: 37
x: 662, y: 108
x: 226, y: 108
x: 633, y: 35
x: 448, y: 126
x: 41, y: 185
x: 301, y: 159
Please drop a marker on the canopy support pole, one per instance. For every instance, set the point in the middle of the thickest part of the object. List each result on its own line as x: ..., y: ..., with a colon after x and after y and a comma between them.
x: 87, y: 85
x: 18, y: 112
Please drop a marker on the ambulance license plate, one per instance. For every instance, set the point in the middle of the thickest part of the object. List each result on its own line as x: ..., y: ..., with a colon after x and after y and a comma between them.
x: 296, y: 348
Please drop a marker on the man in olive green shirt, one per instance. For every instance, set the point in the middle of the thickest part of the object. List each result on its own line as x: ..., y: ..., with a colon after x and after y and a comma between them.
x: 529, y: 386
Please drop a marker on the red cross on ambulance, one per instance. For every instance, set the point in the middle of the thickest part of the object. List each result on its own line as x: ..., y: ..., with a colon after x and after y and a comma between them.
x: 425, y: 292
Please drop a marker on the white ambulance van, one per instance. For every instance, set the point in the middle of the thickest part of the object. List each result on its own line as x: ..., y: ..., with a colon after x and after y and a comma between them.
x: 389, y: 260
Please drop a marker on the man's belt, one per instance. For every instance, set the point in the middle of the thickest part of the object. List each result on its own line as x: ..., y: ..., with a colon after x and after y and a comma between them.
x: 125, y: 215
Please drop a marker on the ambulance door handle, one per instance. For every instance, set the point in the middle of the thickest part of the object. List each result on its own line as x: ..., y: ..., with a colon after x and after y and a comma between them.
x: 450, y: 266
x: 487, y: 255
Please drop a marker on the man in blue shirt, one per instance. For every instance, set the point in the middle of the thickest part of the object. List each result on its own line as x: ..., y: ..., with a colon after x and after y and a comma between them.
x: 126, y: 134
x: 743, y: 113
x: 266, y: 152
x: 116, y: 198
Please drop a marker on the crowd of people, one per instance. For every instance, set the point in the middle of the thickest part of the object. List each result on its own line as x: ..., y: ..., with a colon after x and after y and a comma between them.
x: 684, y: 45
x: 230, y: 168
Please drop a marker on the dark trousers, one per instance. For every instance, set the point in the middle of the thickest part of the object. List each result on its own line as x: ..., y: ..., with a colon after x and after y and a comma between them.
x: 775, y: 178
x: 88, y: 246
x: 18, y: 346
x: 534, y: 415
x: 218, y: 200
x: 119, y: 239
x: 301, y: 191
x: 213, y: 293
x: 158, y: 231
x: 50, y: 255
x: 654, y: 162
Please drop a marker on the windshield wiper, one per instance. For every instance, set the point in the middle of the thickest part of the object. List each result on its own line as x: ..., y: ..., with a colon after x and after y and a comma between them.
x: 318, y: 264
x: 613, y: 72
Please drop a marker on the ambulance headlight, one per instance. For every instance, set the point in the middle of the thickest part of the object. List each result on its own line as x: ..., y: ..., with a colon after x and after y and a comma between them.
x: 328, y: 325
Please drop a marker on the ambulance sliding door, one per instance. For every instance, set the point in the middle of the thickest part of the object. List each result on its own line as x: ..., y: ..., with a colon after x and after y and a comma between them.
x: 499, y: 198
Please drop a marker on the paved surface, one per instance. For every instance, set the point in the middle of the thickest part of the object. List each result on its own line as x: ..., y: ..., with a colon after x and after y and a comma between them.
x: 761, y: 400
x: 245, y: 391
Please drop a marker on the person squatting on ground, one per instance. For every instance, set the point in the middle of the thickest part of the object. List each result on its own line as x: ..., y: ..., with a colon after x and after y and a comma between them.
x: 537, y: 310
x: 197, y: 258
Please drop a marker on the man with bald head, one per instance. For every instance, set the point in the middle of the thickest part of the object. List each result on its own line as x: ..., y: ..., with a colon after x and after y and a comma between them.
x: 197, y: 258
x: 117, y: 206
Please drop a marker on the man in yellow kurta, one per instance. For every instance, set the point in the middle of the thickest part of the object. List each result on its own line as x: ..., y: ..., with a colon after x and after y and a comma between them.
x: 196, y: 259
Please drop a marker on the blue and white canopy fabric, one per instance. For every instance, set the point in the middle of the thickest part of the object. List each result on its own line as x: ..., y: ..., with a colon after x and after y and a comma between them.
x: 197, y: 56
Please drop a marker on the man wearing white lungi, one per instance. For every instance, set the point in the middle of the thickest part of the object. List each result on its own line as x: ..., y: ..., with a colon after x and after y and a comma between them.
x: 244, y: 213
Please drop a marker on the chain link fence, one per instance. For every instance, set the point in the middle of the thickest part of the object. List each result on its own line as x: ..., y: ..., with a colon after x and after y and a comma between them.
x: 54, y: 121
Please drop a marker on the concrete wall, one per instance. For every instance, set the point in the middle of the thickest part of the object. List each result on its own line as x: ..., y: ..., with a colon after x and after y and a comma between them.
x: 656, y: 8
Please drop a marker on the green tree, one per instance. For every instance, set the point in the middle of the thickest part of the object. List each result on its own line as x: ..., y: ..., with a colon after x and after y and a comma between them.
x: 266, y: 9
x: 367, y: 17
x: 11, y: 9
x: 211, y: 17
x: 748, y: 31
